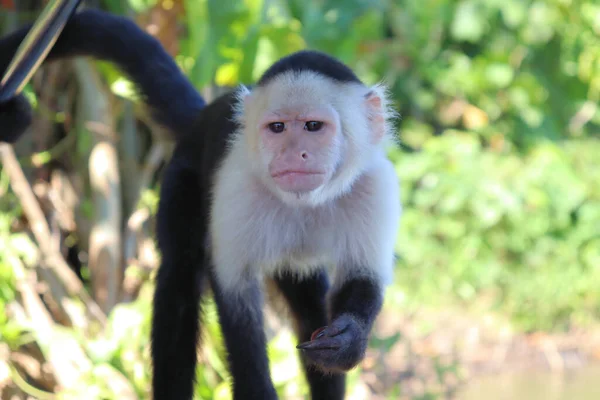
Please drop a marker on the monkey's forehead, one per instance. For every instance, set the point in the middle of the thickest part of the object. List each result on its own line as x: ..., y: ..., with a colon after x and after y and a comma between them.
x: 306, y: 88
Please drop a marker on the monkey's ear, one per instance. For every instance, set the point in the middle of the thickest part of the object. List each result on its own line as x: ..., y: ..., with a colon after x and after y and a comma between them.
x: 375, y: 114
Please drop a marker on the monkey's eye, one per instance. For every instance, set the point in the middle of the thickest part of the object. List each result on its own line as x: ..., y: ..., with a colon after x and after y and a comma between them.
x: 276, y: 127
x: 313, y: 126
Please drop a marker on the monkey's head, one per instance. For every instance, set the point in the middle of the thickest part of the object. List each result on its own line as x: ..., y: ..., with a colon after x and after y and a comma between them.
x: 309, y: 136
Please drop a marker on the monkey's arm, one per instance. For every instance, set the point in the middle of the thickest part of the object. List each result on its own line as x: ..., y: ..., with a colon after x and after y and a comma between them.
x: 173, y: 99
x: 341, y: 345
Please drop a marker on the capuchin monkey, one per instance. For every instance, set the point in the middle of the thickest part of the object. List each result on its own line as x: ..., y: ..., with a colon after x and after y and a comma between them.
x: 286, y: 183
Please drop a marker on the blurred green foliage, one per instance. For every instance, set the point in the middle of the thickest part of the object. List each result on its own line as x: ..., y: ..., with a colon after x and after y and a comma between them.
x: 532, y: 67
x: 9, y: 209
x: 519, y: 232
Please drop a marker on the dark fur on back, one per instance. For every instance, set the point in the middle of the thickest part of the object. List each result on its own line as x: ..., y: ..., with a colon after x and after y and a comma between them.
x: 310, y: 60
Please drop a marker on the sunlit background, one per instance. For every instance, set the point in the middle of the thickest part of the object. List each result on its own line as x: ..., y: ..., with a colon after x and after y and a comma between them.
x: 497, y: 285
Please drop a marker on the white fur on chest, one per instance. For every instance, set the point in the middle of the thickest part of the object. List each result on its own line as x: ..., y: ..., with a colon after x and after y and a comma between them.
x: 253, y: 233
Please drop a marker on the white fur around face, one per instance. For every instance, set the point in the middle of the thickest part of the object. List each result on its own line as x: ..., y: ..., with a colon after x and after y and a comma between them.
x: 350, y: 225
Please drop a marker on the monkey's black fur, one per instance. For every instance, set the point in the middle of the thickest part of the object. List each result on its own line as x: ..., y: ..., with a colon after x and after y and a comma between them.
x: 308, y: 60
x: 15, y: 117
x: 202, y: 132
x: 241, y: 322
x: 306, y: 299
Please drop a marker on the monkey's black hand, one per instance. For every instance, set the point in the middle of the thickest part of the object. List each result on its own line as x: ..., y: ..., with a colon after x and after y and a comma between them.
x: 15, y: 117
x: 339, y: 346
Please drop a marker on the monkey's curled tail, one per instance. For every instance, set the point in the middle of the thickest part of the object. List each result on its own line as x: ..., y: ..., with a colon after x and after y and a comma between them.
x: 174, y: 101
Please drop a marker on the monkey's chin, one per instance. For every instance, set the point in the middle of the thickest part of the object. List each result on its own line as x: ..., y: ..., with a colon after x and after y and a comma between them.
x: 300, y: 199
x: 299, y: 182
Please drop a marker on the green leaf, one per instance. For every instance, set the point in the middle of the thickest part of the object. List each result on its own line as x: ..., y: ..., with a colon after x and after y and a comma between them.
x: 469, y: 23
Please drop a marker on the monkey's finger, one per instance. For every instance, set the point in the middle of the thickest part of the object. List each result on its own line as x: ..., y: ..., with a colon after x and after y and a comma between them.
x: 318, y: 333
x: 337, y: 327
x: 320, y: 344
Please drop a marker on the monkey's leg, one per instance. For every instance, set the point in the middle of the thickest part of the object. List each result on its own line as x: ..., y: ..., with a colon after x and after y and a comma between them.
x: 341, y: 345
x: 307, y: 301
x: 241, y: 319
x: 181, y: 227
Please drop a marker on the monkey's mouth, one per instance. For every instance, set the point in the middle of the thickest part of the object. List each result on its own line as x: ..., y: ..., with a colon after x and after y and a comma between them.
x: 293, y: 180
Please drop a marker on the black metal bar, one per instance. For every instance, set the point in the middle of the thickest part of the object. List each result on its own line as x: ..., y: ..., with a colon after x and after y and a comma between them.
x: 35, y: 47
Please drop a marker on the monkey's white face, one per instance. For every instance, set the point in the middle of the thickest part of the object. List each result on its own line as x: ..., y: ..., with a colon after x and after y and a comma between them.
x: 309, y: 138
x: 301, y: 146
